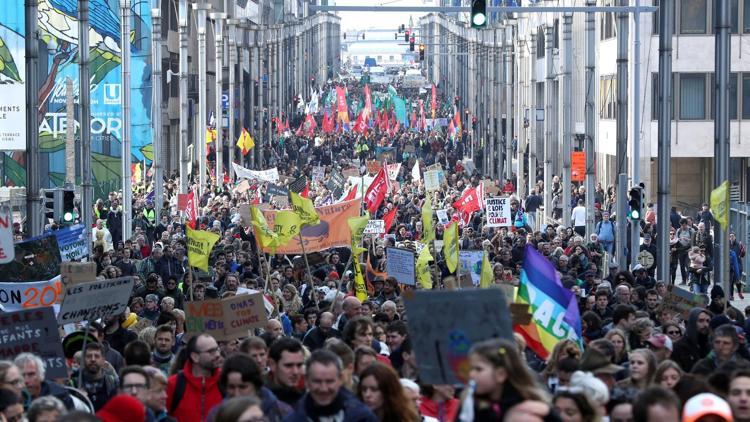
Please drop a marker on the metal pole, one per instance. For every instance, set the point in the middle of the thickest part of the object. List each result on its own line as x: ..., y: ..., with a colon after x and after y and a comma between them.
x: 532, y: 117
x: 622, y: 134
x: 498, y: 65
x: 721, y: 136
x: 269, y: 72
x: 490, y: 142
x: 127, y: 187
x: 184, y: 159
x: 232, y: 42
x: 218, y: 19
x: 635, y: 229
x: 262, y: 60
x: 520, y: 102
x: 34, y: 219
x: 590, y: 117
x: 665, y: 134
x: 156, y: 103
x: 507, y: 45
x: 567, y: 94
x: 550, y: 107
x: 87, y: 191
x: 201, y: 10
x: 253, y: 78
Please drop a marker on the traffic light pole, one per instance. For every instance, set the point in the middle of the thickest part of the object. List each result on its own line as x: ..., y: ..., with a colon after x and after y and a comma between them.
x: 622, y: 135
x: 721, y: 139
x: 127, y: 187
x: 590, y: 117
x: 33, y: 182
x: 567, y: 94
x: 664, y: 138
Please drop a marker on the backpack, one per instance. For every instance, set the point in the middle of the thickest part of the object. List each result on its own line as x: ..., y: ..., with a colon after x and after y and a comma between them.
x: 179, y: 391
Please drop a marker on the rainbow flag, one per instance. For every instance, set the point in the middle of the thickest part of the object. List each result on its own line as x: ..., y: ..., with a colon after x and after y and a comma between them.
x: 554, y: 308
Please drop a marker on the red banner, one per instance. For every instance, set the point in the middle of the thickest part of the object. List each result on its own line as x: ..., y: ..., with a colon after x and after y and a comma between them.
x: 368, y: 102
x: 471, y: 201
x: 578, y: 166
x: 190, y: 209
x: 377, y: 191
x: 341, y: 101
x: 433, y: 104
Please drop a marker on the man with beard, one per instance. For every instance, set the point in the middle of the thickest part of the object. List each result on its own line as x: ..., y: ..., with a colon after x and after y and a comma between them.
x: 695, y: 344
x: 192, y: 392
x: 162, y: 355
x: 98, y: 381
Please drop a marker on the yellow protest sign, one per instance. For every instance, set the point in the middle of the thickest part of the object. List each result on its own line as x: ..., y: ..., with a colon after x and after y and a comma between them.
x: 450, y: 246
x: 200, y: 243
x: 357, y: 226
x: 423, y: 269
x: 720, y: 204
x: 487, y: 275
x: 305, y: 209
x: 428, y: 232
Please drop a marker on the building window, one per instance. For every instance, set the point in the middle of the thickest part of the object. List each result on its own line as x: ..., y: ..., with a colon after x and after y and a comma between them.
x: 607, y: 26
x: 692, y: 96
x: 732, y: 96
x: 657, y: 14
x: 540, y: 42
x: 608, y: 96
x: 655, y: 96
x: 746, y: 16
x: 693, y: 16
x: 746, y: 95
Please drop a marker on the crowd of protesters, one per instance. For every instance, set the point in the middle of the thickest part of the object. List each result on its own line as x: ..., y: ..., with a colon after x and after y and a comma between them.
x: 326, y: 355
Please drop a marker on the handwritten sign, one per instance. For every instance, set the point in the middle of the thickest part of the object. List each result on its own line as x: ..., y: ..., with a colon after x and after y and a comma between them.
x: 205, y: 317
x: 442, y: 216
x: 243, y: 313
x: 33, y: 331
x: 400, y: 265
x: 19, y: 295
x: 77, y: 272
x: 471, y: 264
x: 95, y: 299
x: 318, y: 174
x: 443, y: 329
x: 375, y: 227
x: 498, y: 212
x: 432, y: 180
x: 72, y: 243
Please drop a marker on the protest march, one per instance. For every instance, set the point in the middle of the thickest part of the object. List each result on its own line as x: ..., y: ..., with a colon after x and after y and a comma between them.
x: 366, y: 269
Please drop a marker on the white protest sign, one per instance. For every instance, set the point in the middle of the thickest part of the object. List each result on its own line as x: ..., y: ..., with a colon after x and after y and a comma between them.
x: 19, y: 295
x: 400, y: 265
x: 442, y: 216
x: 498, y: 212
x: 95, y: 299
x: 393, y: 170
x: 374, y: 227
x: 318, y: 174
x: 432, y: 180
x: 270, y: 175
x: 7, y: 250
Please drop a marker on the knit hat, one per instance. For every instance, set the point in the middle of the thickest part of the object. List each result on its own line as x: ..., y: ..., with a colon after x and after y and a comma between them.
x: 122, y: 408
x: 717, y: 291
x: 131, y: 319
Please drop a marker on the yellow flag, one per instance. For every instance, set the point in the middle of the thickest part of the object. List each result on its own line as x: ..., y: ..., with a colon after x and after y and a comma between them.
x: 245, y: 142
x: 450, y: 246
x: 720, y: 204
x: 423, y: 269
x: 428, y: 231
x: 360, y: 288
x: 210, y: 135
x: 304, y: 208
x: 487, y: 275
x: 266, y: 236
x: 200, y: 243
x: 287, y: 225
x: 357, y: 226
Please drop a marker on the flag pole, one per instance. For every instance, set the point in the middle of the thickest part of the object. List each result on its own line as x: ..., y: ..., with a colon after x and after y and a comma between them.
x: 307, y: 266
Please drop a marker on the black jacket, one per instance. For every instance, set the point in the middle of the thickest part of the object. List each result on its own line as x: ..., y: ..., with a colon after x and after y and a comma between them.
x: 693, y: 346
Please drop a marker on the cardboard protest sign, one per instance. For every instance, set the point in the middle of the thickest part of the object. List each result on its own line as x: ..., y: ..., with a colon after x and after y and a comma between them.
x: 682, y: 301
x: 275, y: 190
x: 442, y: 216
x: 336, y: 184
x: 37, y: 258
x: 7, y: 251
x: 443, y: 329
x: 498, y: 212
x: 400, y: 265
x: 245, y: 216
x: 374, y: 227
x: 431, y: 180
x: 72, y: 243
x: 95, y: 299
x: 242, y: 313
x: 471, y: 264
x: 318, y: 173
x: 205, y: 317
x: 18, y: 295
x: 77, y: 272
x: 33, y: 331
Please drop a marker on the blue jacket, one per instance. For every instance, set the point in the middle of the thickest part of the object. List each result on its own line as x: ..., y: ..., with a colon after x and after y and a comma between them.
x: 346, y: 403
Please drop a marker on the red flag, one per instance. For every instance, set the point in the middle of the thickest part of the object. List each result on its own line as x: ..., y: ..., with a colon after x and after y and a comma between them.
x: 433, y: 104
x: 368, y: 102
x: 191, y: 212
x: 376, y: 192
x: 306, y: 191
x: 471, y: 200
x: 341, y: 104
x: 389, y: 218
x: 352, y: 193
x: 451, y: 129
x: 457, y: 119
x: 361, y: 124
x: 310, y: 125
x: 299, y: 131
x: 413, y: 121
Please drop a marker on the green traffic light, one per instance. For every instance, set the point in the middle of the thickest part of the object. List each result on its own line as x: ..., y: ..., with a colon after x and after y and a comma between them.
x: 68, y: 217
x: 479, y: 19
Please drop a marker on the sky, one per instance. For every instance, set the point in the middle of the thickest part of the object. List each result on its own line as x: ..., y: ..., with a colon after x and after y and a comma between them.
x: 379, y: 20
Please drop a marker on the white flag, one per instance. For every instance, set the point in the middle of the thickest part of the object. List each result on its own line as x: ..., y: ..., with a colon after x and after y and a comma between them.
x: 415, y: 172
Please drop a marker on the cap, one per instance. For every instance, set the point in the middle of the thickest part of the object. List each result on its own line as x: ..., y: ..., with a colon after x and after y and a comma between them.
x: 73, y: 342
x: 334, y: 275
x: 705, y: 404
x: 122, y: 408
x: 660, y: 341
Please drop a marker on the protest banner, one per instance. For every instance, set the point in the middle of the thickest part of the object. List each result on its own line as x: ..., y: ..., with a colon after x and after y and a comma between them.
x: 205, y: 317
x: 393, y: 170
x: 336, y: 184
x: 242, y: 313
x: 200, y: 243
x: 350, y: 172
x: 182, y: 200
x: 7, y: 250
x: 332, y: 231
x: 682, y: 301
x: 431, y: 180
x: 276, y: 190
x: 443, y: 329
x: 95, y: 299
x: 245, y: 217
x: 374, y: 227
x: 269, y: 175
x: 33, y: 331
x: 471, y: 263
x: 37, y: 258
x: 498, y: 212
x: 400, y: 265
x: 318, y: 174
x: 77, y: 272
x: 72, y: 243
x: 17, y: 295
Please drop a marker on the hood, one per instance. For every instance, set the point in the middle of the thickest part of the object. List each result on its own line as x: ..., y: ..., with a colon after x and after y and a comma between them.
x: 196, y: 381
x: 691, y: 327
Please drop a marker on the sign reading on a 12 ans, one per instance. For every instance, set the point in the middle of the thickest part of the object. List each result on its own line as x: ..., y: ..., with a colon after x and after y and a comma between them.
x: 498, y: 212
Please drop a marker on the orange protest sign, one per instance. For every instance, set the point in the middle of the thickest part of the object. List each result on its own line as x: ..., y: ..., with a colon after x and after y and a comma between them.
x: 332, y: 231
x: 578, y: 166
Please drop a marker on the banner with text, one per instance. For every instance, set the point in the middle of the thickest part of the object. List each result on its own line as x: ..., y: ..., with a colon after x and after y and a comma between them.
x: 498, y: 212
x: 33, y: 331
x: 95, y: 299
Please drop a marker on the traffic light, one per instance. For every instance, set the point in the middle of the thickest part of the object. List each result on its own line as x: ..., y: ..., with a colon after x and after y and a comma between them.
x: 50, y: 200
x: 411, y: 43
x: 478, y: 13
x: 406, y: 36
x: 421, y: 52
x: 363, y: 35
x: 635, y: 203
x: 68, y: 206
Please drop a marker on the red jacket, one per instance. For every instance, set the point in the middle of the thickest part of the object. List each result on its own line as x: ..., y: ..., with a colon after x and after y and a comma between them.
x: 201, y: 394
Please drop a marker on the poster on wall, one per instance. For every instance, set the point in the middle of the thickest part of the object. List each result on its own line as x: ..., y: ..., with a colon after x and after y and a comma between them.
x: 12, y: 77
x: 58, y: 27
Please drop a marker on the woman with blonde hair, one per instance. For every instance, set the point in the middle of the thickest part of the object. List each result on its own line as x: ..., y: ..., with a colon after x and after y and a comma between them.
x: 668, y: 374
x: 290, y: 299
x: 562, y: 350
x: 618, y: 339
x: 642, y: 369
